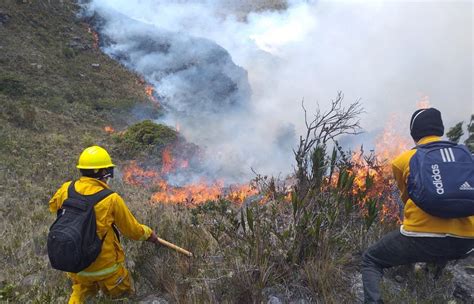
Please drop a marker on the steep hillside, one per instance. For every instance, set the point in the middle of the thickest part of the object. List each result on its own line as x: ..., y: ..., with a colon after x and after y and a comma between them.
x: 57, y: 92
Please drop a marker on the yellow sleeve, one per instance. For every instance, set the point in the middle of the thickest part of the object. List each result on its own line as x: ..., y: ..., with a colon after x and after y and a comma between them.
x: 127, y: 223
x: 401, y: 171
x: 57, y: 200
x: 400, y: 177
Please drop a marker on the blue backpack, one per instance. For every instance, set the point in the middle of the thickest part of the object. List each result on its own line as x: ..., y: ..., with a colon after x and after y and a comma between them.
x: 441, y: 180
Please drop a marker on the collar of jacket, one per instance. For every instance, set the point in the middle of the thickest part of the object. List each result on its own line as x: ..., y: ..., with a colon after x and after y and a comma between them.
x: 93, y: 181
x: 428, y: 139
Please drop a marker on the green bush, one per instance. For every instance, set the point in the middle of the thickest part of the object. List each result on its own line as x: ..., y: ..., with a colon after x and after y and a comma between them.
x: 22, y: 115
x: 144, y: 138
x: 456, y: 132
x: 7, y: 292
x: 68, y: 52
x: 12, y: 87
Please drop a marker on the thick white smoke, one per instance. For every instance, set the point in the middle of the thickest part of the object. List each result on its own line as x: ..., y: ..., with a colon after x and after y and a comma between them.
x: 388, y: 53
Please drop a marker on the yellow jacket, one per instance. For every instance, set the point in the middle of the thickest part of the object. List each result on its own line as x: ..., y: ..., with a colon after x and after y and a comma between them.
x: 110, y: 210
x: 415, y: 219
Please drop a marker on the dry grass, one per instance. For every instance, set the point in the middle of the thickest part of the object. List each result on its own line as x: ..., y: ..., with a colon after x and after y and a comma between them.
x: 50, y: 113
x: 51, y: 107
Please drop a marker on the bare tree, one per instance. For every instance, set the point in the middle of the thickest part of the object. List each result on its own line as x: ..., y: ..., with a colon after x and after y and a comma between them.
x: 314, y: 204
x: 323, y: 127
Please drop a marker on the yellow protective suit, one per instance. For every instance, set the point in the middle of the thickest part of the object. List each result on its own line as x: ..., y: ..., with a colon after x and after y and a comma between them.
x: 107, y: 272
x: 415, y: 219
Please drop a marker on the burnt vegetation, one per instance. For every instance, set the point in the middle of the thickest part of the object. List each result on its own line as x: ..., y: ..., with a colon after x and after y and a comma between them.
x: 298, y: 241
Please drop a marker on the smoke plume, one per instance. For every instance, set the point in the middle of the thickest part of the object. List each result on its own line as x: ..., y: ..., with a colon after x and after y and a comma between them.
x: 233, y: 73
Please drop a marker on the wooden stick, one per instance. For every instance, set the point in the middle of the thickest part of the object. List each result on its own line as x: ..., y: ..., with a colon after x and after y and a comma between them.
x: 174, y: 247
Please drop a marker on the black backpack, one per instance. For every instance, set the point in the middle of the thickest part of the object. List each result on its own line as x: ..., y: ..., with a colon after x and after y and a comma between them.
x: 73, y: 243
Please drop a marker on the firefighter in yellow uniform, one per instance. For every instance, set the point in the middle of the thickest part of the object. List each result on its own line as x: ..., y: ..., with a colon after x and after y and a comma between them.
x: 107, y: 272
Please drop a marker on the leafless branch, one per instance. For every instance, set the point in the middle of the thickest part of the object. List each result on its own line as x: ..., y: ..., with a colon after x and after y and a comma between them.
x: 325, y: 126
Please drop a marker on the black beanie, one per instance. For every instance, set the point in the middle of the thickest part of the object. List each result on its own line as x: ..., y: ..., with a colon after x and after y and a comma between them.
x: 425, y: 122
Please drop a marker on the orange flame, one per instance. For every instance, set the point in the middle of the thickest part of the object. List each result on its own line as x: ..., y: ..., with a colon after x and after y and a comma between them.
x: 170, y: 164
x: 191, y: 195
x: 200, y: 193
x: 167, y: 161
x: 149, y: 90
x: 135, y: 175
x: 424, y: 102
x: 239, y: 193
x: 109, y: 129
x: 360, y: 171
x: 389, y: 144
x: 95, y: 38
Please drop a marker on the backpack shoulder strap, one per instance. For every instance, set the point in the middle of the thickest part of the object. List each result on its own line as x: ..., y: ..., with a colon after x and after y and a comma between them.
x: 99, y: 196
x: 71, y: 191
x: 438, y: 143
x: 93, y: 199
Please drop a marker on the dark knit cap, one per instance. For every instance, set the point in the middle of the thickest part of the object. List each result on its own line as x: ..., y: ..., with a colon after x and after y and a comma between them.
x: 425, y: 122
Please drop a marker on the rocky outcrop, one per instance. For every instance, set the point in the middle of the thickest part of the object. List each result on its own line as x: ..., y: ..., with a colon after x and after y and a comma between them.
x: 463, y: 272
x: 396, y: 279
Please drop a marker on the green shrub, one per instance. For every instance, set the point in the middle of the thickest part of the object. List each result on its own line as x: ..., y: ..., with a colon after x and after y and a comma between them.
x: 7, y: 292
x: 68, y: 52
x: 101, y: 104
x: 12, y: 87
x: 456, y: 132
x: 21, y: 115
x: 144, y: 138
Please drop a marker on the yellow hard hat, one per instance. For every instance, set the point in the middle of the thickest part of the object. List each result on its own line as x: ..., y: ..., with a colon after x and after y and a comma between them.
x: 94, y: 157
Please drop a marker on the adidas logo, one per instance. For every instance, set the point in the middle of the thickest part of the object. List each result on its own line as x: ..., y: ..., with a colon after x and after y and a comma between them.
x: 466, y: 186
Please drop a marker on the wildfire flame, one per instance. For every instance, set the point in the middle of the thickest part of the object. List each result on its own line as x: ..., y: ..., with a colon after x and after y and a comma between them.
x: 200, y: 193
x: 190, y: 195
x: 149, y: 90
x: 95, y: 38
x: 170, y: 164
x: 109, y: 129
x: 424, y: 103
x: 376, y: 169
x: 135, y: 175
x: 389, y: 144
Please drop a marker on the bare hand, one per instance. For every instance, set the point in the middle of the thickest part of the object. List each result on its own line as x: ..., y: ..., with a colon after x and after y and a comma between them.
x: 153, y: 239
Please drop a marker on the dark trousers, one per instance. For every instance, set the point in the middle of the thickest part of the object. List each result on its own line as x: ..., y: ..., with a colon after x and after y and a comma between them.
x: 396, y: 249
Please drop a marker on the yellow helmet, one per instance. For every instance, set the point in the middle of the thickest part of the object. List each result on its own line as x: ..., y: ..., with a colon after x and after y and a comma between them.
x: 94, y: 157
